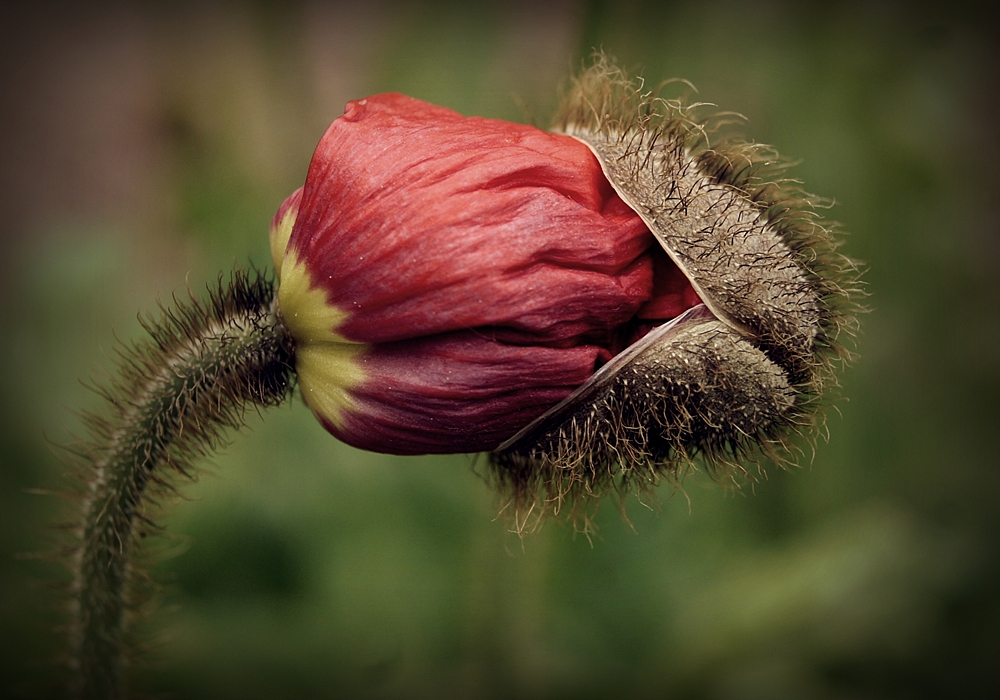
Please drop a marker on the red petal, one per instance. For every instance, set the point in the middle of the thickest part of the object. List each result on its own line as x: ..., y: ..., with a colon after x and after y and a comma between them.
x: 418, y: 221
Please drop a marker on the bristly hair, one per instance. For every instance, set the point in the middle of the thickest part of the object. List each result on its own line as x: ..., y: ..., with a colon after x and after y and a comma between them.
x: 203, y: 365
x: 721, y: 388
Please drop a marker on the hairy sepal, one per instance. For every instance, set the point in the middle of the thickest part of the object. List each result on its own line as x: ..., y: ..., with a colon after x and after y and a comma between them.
x: 729, y: 390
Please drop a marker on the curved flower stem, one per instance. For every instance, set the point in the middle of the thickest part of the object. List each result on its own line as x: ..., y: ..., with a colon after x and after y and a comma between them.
x: 203, y: 366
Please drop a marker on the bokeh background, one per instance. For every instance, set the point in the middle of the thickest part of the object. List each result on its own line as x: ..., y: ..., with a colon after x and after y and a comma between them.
x: 145, y: 145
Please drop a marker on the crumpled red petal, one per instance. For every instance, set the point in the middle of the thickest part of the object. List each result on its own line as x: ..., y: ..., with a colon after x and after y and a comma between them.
x: 418, y: 221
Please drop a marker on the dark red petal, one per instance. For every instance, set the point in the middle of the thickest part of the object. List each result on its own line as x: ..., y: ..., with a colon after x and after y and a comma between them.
x: 456, y: 393
x: 672, y: 291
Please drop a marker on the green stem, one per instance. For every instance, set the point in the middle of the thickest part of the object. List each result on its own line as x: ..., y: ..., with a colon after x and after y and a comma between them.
x: 203, y: 366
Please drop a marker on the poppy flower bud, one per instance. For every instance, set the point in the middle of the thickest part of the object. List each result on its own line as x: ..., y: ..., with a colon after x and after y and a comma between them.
x: 448, y: 279
x: 586, y: 305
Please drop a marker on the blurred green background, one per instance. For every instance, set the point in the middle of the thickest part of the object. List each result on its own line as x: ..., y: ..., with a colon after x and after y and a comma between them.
x: 142, y: 145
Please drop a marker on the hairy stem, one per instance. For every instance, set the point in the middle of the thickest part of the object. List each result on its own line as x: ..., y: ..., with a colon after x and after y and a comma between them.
x: 203, y: 366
